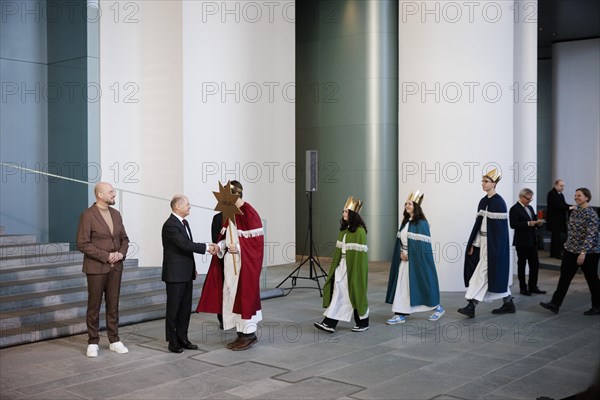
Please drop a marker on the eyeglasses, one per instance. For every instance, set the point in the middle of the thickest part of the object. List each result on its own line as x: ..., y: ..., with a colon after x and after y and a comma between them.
x: 528, y: 198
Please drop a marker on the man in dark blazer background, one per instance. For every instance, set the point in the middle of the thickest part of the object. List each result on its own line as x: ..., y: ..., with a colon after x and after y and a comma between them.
x: 556, y: 216
x: 523, y: 219
x: 179, y: 272
x: 102, y: 239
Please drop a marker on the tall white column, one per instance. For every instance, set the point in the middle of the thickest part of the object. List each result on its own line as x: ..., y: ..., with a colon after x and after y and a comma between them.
x: 524, y: 91
x: 455, y: 116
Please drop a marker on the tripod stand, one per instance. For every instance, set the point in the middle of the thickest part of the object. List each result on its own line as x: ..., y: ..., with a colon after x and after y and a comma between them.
x: 313, y: 274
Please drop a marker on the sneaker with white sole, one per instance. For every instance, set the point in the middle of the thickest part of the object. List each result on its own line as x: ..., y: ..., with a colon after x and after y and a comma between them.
x: 92, y: 350
x: 324, y: 327
x: 119, y: 347
x: 360, y: 328
x: 396, y: 319
x: 437, y: 313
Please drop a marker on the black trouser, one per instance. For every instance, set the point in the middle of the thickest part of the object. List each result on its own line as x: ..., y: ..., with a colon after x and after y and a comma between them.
x: 527, y: 255
x: 359, y: 322
x: 179, y: 306
x: 557, y: 242
x: 569, y: 267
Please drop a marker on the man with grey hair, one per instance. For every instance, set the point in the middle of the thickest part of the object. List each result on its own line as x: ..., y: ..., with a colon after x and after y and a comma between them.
x: 179, y: 272
x: 524, y: 221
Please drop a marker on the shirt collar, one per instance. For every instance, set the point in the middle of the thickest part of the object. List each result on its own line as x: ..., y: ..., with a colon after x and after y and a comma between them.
x: 178, y: 217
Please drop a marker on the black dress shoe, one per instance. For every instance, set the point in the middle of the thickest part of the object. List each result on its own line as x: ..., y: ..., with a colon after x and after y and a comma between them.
x: 538, y: 291
x: 468, y: 310
x: 506, y: 308
x: 592, y: 311
x: 189, y: 345
x: 174, y: 348
x: 550, y: 306
x: 525, y: 292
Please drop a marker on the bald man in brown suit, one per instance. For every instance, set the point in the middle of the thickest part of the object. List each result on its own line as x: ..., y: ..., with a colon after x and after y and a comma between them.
x: 101, y: 237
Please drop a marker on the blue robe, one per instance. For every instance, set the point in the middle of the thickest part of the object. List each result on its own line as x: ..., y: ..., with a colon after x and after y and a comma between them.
x: 424, y: 287
x: 497, y: 244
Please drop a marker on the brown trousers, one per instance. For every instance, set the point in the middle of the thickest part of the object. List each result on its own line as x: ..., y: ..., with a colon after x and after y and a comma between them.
x: 108, y: 285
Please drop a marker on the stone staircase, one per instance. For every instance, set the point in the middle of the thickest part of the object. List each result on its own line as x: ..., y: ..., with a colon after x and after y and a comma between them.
x: 43, y: 293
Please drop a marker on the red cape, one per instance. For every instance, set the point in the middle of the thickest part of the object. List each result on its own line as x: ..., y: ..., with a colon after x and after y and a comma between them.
x: 247, y: 297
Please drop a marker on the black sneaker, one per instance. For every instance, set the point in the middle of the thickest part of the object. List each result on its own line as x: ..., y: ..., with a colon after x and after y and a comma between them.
x: 360, y: 328
x: 324, y: 327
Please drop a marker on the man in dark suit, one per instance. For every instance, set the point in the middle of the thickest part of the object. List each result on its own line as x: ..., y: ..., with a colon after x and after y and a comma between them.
x: 179, y: 272
x: 556, y: 217
x: 102, y: 239
x: 524, y: 221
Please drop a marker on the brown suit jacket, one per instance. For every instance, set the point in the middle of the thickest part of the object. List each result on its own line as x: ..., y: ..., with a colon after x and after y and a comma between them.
x: 96, y: 243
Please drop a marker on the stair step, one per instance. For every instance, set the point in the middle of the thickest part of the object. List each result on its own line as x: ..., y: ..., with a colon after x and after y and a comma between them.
x: 11, y: 336
x: 50, y: 283
x: 74, y: 310
x: 29, y: 249
x: 60, y: 296
x: 47, y: 270
x: 16, y: 239
x: 36, y: 259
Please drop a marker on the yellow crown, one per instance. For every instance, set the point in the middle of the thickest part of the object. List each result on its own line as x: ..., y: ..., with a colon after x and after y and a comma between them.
x: 353, y: 204
x: 415, y: 197
x: 493, y: 175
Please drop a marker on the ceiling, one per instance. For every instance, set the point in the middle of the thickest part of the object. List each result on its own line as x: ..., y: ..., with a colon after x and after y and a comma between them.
x: 565, y: 20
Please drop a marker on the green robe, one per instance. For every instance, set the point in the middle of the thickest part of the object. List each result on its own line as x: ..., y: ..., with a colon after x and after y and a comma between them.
x: 356, y: 265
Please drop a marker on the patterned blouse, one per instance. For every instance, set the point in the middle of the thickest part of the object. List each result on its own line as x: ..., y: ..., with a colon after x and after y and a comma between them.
x: 583, y: 231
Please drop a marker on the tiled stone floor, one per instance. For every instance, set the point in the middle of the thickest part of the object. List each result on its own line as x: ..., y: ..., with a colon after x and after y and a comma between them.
x: 521, y: 356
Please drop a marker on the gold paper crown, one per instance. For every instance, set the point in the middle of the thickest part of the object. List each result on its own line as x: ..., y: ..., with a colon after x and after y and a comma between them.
x: 493, y: 175
x: 353, y: 204
x: 415, y: 197
x: 235, y: 189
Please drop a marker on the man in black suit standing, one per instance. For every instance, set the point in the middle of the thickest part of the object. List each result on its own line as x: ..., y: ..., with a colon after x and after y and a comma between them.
x: 556, y: 218
x: 179, y: 272
x: 524, y: 221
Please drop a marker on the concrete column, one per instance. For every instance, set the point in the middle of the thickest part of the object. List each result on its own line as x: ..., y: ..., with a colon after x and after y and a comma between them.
x: 346, y: 52
x: 525, y: 167
x: 455, y: 116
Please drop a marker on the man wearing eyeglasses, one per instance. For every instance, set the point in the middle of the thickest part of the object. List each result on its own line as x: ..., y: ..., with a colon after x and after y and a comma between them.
x: 524, y: 221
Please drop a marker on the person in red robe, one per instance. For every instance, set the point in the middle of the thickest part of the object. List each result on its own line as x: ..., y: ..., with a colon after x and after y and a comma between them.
x: 235, y: 292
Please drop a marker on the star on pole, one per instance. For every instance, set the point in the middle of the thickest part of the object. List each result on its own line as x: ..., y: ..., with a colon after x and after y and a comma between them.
x: 226, y: 204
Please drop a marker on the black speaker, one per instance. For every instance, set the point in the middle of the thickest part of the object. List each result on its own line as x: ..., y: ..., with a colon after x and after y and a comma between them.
x: 312, y: 167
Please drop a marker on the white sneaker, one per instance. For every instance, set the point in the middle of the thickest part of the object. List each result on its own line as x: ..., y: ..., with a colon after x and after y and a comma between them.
x: 396, y: 319
x: 118, y: 347
x: 92, y: 350
x: 437, y: 313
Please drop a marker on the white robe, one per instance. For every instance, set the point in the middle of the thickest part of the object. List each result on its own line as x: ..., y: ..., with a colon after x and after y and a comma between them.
x: 230, y: 283
x: 340, y: 308
x: 478, y: 284
x: 402, y: 296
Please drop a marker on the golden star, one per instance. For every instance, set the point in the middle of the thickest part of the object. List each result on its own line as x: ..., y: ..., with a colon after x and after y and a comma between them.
x: 226, y: 202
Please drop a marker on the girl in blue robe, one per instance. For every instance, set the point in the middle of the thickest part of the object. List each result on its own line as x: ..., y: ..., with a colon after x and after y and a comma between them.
x: 413, y: 283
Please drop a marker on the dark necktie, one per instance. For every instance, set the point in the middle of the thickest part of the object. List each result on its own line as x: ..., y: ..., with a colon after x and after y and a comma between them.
x: 189, y: 231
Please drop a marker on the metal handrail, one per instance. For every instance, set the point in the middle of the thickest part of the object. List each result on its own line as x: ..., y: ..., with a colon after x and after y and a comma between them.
x: 264, y: 221
x: 92, y: 183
